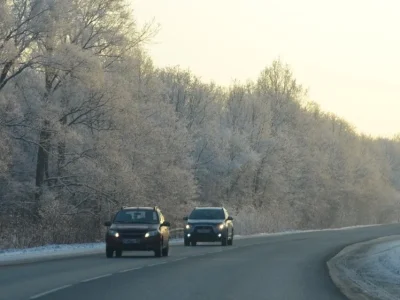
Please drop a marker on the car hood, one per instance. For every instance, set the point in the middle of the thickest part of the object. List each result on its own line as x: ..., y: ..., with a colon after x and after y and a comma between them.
x: 138, y: 227
x: 212, y: 222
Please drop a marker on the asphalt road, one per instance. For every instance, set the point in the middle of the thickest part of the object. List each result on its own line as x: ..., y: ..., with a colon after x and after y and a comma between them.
x: 276, y: 267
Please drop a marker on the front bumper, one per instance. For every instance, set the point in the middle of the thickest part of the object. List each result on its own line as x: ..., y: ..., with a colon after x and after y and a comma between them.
x: 137, y: 244
x: 214, y: 235
x: 205, y: 237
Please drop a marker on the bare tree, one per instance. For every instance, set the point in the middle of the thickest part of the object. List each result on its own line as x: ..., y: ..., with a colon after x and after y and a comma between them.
x: 21, y: 22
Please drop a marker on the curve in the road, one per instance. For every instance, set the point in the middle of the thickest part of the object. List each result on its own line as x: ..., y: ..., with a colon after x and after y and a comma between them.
x: 275, y: 267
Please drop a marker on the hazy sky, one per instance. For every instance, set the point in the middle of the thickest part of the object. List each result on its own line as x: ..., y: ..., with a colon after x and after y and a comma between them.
x: 347, y: 52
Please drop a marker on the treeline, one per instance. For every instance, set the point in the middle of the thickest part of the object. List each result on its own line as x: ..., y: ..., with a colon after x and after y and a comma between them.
x: 88, y: 123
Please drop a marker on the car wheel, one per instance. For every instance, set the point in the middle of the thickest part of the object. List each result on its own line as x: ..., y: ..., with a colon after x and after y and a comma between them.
x: 159, y: 251
x: 118, y: 253
x: 230, y: 241
x: 109, y: 253
x: 165, y: 251
x: 194, y: 243
x: 186, y: 242
x: 224, y: 241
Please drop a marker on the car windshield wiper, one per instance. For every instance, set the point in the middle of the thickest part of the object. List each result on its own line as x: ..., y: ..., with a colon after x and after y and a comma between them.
x: 135, y: 222
x: 125, y: 222
x: 144, y: 222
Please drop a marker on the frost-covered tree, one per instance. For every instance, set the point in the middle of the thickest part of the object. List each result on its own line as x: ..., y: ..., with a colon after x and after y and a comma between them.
x: 88, y: 123
x: 22, y: 25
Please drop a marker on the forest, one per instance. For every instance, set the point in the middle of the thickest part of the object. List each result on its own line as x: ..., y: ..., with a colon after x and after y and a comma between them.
x: 88, y: 123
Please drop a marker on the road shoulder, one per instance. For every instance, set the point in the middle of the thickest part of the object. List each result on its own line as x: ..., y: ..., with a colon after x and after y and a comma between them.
x: 357, y: 268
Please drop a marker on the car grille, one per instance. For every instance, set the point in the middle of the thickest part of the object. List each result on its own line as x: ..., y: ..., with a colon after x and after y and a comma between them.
x: 132, y: 234
x: 204, y: 227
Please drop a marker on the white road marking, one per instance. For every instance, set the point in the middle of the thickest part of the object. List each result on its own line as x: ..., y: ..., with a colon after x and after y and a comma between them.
x: 128, y: 270
x: 94, y: 278
x: 156, y: 264
x: 124, y: 271
x: 50, y: 291
x: 180, y: 258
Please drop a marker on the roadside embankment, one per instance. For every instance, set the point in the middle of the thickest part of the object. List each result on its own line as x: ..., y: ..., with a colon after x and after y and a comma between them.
x: 369, y: 270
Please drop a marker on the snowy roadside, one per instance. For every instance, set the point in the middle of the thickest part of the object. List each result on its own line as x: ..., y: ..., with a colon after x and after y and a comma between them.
x: 301, y: 231
x: 369, y: 270
x: 50, y: 252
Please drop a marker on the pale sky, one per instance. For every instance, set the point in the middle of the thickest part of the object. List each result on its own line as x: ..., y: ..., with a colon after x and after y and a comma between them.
x: 347, y: 52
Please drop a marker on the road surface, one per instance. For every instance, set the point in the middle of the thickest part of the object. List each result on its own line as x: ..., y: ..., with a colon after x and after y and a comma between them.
x: 276, y: 267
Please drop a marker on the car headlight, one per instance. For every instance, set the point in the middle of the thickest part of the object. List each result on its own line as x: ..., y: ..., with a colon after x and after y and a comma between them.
x: 113, y: 233
x: 221, y: 226
x: 151, y: 233
x: 187, y: 226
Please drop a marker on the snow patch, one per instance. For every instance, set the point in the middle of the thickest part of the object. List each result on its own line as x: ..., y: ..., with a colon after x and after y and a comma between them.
x: 372, y: 267
x: 49, y: 252
x: 380, y: 269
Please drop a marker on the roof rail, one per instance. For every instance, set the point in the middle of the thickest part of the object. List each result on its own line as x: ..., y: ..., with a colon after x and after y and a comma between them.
x: 155, y: 207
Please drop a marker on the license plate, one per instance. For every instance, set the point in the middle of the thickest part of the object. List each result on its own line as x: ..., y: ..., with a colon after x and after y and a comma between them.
x: 131, y: 241
x: 203, y: 231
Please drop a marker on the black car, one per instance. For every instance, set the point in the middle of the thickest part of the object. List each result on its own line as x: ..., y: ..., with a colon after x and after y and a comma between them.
x: 208, y: 224
x: 137, y: 229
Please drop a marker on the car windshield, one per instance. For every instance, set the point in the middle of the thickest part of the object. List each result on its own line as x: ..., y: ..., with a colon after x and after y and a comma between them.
x: 137, y: 216
x: 207, y: 214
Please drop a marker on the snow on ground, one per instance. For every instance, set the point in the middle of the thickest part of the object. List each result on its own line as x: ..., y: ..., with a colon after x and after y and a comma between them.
x: 379, y: 268
x: 372, y: 267
x: 69, y: 250
x: 55, y: 251
x: 50, y: 250
x: 301, y: 231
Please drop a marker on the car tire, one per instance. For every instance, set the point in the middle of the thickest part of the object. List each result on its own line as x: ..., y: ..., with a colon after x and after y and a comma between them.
x: 109, y: 253
x: 165, y: 251
x: 159, y: 251
x: 118, y: 253
x: 230, y: 241
x: 224, y: 241
x: 186, y: 242
x: 193, y: 243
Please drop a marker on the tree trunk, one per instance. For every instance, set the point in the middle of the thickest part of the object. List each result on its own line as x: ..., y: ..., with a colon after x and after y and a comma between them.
x: 42, y: 163
x: 61, y: 150
x: 257, y: 182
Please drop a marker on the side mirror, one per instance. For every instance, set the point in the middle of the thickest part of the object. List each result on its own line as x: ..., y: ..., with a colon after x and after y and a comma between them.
x: 166, y: 224
x: 185, y: 218
x: 108, y: 223
x: 230, y: 218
